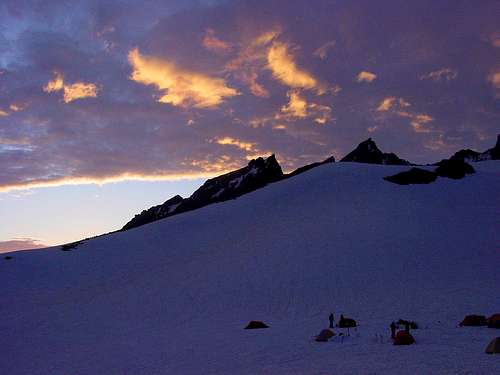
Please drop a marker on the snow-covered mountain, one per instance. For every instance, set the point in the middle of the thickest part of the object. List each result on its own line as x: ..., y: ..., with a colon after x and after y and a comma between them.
x: 173, y: 296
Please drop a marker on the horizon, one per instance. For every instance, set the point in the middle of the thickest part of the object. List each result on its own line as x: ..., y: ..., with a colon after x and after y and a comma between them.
x: 108, y: 109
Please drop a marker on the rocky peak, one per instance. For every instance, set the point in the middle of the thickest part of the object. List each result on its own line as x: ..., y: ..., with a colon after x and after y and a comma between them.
x: 258, y: 173
x: 368, y: 152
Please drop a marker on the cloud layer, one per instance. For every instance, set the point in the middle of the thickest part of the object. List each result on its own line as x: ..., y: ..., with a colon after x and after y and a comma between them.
x: 98, y: 91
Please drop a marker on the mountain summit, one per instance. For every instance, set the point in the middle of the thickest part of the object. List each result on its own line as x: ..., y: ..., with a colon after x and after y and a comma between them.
x: 368, y: 152
x: 258, y: 173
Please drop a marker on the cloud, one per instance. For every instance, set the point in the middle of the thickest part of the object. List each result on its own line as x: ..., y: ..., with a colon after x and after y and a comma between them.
x: 446, y: 74
x: 495, y: 39
x: 284, y: 68
x: 299, y: 108
x: 247, y: 146
x: 365, y: 76
x: 400, y: 107
x: 494, y: 79
x: 322, y: 52
x: 386, y: 104
x: 3, y: 113
x: 180, y: 87
x: 250, y: 61
x: 212, y: 43
x: 296, y: 107
x: 74, y: 91
x: 20, y: 244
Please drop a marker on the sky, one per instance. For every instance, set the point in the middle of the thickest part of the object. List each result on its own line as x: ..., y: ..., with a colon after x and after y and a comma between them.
x: 109, y: 107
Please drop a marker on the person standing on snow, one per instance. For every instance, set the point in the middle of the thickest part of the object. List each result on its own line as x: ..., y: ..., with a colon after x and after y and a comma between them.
x: 393, y: 330
x: 331, y: 319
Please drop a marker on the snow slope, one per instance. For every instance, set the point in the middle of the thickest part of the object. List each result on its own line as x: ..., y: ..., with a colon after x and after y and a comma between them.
x: 173, y: 296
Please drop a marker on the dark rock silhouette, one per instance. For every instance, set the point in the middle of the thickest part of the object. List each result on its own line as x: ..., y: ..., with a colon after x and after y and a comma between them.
x: 256, y: 324
x: 455, y: 169
x: 473, y: 321
x: 154, y: 213
x: 368, y: 152
x: 308, y: 167
x: 413, y: 176
x: 258, y: 173
x: 469, y: 155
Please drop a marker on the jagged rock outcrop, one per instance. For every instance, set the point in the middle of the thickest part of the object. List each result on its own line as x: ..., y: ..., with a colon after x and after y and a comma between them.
x: 368, y: 152
x: 258, y: 173
x: 307, y: 167
x: 469, y: 155
x: 154, y: 213
x: 413, y: 176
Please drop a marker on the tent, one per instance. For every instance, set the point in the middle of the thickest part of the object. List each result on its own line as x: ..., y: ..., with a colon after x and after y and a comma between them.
x: 493, y: 347
x: 325, y: 335
x: 494, y: 321
x: 404, y: 338
x: 473, y: 320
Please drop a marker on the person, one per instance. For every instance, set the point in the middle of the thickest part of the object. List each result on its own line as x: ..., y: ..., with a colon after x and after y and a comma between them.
x: 393, y: 330
x: 332, y: 319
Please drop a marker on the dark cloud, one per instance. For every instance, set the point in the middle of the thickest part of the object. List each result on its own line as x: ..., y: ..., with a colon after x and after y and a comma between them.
x: 126, y: 131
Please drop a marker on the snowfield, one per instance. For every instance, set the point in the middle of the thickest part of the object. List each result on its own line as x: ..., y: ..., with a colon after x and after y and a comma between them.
x: 172, y: 297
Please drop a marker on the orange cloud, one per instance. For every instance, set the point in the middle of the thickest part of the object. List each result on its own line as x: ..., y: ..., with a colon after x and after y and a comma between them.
x: 386, y: 104
x: 73, y: 91
x: 180, y: 87
x: 322, y: 52
x: 299, y: 108
x: 366, y: 77
x: 284, y: 68
x: 3, y: 113
x: 296, y: 107
x: 212, y: 43
x: 247, y: 146
x: 494, y: 79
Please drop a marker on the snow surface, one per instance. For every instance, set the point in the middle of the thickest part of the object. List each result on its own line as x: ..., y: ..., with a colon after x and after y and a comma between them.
x: 173, y: 296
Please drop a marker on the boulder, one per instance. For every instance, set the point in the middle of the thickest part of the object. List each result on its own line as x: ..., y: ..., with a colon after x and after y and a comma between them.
x: 455, y: 169
x: 256, y: 324
x: 413, y: 176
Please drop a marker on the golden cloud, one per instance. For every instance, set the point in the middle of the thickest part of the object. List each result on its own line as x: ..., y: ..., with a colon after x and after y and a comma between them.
x: 386, y: 104
x: 296, y: 107
x: 284, y: 68
x: 73, y: 91
x: 494, y: 79
x: 247, y: 146
x: 365, y: 76
x: 3, y: 113
x: 322, y: 52
x: 212, y: 43
x: 181, y: 87
x: 441, y: 74
x: 299, y: 108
